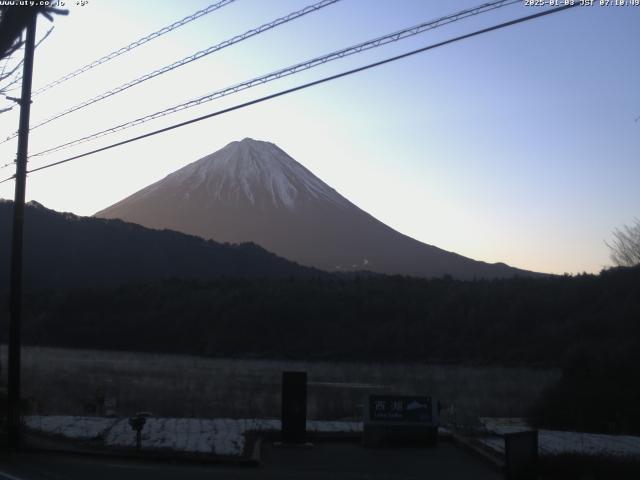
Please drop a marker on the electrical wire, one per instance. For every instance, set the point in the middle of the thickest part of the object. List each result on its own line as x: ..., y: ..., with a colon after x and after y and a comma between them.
x: 196, y: 56
x: 307, y: 85
x: 141, y: 41
x: 306, y: 65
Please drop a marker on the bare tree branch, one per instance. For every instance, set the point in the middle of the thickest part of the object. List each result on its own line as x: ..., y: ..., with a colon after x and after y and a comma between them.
x: 625, y: 247
x: 12, y: 71
x: 18, y: 76
x: 14, y: 19
x: 8, y: 74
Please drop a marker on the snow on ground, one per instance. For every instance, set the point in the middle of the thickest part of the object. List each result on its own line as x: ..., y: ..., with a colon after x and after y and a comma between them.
x: 333, y: 427
x: 177, y: 434
x: 81, y: 428
x: 502, y: 425
x: 222, y: 436
x: 226, y: 436
x: 553, y: 442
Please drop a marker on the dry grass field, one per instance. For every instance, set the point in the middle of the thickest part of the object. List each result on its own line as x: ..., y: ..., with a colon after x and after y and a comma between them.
x: 76, y: 382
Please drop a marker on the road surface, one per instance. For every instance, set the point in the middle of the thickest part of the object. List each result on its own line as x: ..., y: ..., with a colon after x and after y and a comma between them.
x: 323, y: 461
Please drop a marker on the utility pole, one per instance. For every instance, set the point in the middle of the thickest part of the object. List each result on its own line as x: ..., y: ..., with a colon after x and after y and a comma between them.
x: 15, y: 293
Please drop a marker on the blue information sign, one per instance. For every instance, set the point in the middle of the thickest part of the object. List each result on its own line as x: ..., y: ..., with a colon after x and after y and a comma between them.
x: 410, y: 409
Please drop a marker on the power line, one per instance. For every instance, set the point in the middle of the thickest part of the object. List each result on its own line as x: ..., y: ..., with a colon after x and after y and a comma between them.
x: 141, y: 41
x: 305, y: 86
x: 196, y: 56
x: 306, y: 65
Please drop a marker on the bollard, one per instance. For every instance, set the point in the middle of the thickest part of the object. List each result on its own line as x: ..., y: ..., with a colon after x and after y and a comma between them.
x: 521, y: 455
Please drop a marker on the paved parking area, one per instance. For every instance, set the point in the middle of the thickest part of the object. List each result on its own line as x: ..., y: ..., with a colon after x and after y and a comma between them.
x: 322, y: 461
x: 351, y: 460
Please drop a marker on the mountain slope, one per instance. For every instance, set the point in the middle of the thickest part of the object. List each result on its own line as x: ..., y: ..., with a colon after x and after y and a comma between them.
x: 63, y: 250
x: 253, y: 191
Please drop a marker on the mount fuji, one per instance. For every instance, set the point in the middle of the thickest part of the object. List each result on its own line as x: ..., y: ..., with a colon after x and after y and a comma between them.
x: 254, y: 191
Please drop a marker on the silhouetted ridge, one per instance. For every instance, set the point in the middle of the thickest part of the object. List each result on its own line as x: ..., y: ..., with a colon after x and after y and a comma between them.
x: 64, y: 250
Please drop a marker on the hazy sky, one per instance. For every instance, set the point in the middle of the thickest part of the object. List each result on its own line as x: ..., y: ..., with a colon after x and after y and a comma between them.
x: 518, y: 146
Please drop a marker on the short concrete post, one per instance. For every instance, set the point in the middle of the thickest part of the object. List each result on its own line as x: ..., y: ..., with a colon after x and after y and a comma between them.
x: 521, y: 455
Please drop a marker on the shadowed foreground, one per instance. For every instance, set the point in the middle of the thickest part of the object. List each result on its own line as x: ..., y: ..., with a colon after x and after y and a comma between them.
x: 335, y: 460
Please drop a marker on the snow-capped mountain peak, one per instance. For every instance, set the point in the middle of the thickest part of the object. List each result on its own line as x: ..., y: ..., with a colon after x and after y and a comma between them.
x: 253, y: 191
x: 251, y: 171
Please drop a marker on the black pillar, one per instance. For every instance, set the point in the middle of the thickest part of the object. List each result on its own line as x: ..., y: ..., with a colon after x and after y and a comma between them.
x: 15, y: 294
x: 294, y: 407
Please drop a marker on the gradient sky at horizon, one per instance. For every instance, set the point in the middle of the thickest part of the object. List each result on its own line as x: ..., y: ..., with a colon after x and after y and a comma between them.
x: 519, y: 146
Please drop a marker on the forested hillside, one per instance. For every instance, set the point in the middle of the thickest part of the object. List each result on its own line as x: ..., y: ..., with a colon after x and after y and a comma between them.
x: 531, y: 321
x: 63, y: 250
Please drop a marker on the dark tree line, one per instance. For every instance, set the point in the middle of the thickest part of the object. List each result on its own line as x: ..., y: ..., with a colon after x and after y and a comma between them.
x: 525, y: 321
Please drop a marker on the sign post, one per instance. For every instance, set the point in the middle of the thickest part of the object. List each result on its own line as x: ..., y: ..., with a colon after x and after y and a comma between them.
x: 400, y: 419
